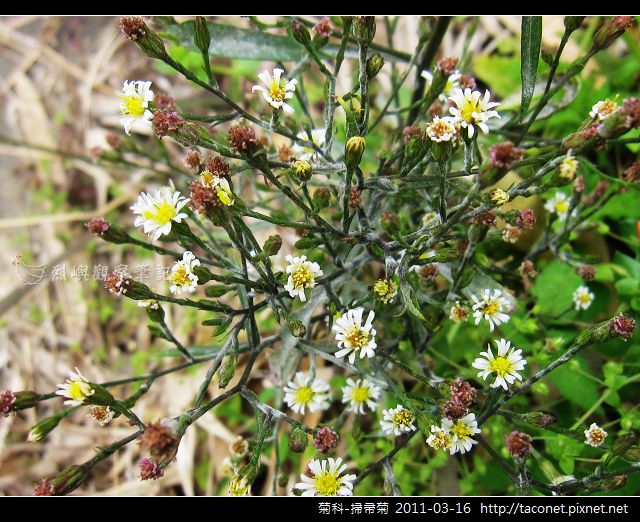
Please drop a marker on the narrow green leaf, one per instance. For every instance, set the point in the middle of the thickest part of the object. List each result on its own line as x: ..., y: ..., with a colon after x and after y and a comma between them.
x: 529, y: 57
x: 406, y: 294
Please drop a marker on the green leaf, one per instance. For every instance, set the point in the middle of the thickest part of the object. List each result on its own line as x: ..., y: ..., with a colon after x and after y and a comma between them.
x: 529, y: 58
x: 235, y: 42
x: 554, y: 288
x: 568, y: 380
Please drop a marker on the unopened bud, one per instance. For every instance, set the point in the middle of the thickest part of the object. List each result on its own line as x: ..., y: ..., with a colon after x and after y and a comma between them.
x: 353, y: 151
x: 374, y: 65
x: 297, y: 328
x: 300, y: 33
x: 572, y: 23
x: 227, y: 370
x: 43, y: 428
x: 298, y: 440
x: 538, y: 419
x: 201, y: 35
x: 364, y: 29
x: 321, y: 199
x: 302, y: 168
x: 272, y: 245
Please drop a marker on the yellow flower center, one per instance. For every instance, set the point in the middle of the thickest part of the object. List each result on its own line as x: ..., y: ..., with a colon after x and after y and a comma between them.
x: 403, y: 418
x: 461, y: 430
x: 77, y: 390
x: 277, y: 91
x: 133, y: 105
x: 597, y: 436
x: 361, y: 394
x: 468, y: 109
x: 441, y: 440
x: 207, y: 179
x: 440, y: 128
x: 501, y: 366
x: 164, y: 212
x: 180, y: 276
x: 301, y: 277
x: 357, y: 338
x: 607, y: 107
x: 585, y: 298
x: 562, y: 206
x: 304, y: 395
x: 327, y: 484
x: 490, y: 308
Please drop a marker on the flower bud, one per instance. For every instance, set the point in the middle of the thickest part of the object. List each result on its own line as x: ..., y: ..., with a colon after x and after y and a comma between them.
x: 321, y: 199
x: 298, y: 440
x: 7, y: 402
x: 572, y: 23
x: 538, y: 419
x: 297, y: 328
x: 149, y: 469
x: 43, y: 428
x: 203, y: 273
x: 201, y: 35
x: 374, y: 64
x: 300, y: 33
x: 611, y: 30
x: 160, y: 439
x: 227, y: 370
x: 272, y: 245
x: 302, y: 168
x: 64, y: 482
x: 364, y: 29
x: 353, y: 151
x: 134, y: 28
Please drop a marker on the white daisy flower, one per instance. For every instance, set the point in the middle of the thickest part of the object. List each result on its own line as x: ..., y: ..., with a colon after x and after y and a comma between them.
x: 602, y: 109
x: 277, y: 89
x: 568, y: 167
x: 359, y: 394
x: 440, y: 439
x: 302, y: 274
x: 442, y: 129
x: 76, y: 388
x: 397, y: 421
x: 472, y: 110
x: 505, y: 365
x: 239, y: 487
x: 582, y: 298
x: 453, y: 83
x: 352, y: 336
x: 302, y: 152
x: 462, y: 431
x: 326, y: 480
x: 182, y: 276
x: 594, y: 436
x: 558, y: 204
x: 156, y: 213
x: 101, y: 414
x: 134, y: 105
x: 490, y: 306
x: 303, y: 393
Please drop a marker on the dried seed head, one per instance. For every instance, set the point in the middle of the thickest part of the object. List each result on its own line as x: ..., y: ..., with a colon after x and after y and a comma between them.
x: 579, y: 185
x: 623, y: 326
x: 149, y: 469
x: 486, y: 218
x: 192, y: 159
x: 325, y: 439
x: 218, y: 166
x: 285, y: 154
x: 454, y: 410
x: 114, y: 140
x: 133, y: 27
x: 587, y: 272
x: 631, y: 109
x: 447, y: 66
x: 166, y: 121
x: 158, y: 439
x: 44, y: 488
x: 163, y: 101
x: 97, y: 226
x: 467, y: 82
x: 117, y: 283
x: 463, y: 392
x: 505, y: 154
x: 525, y: 219
x: 518, y: 444
x: 411, y: 132
x: 203, y: 199
x: 355, y: 198
x: 528, y: 269
x: 323, y: 27
x: 429, y: 272
x: 243, y: 139
x: 7, y: 400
